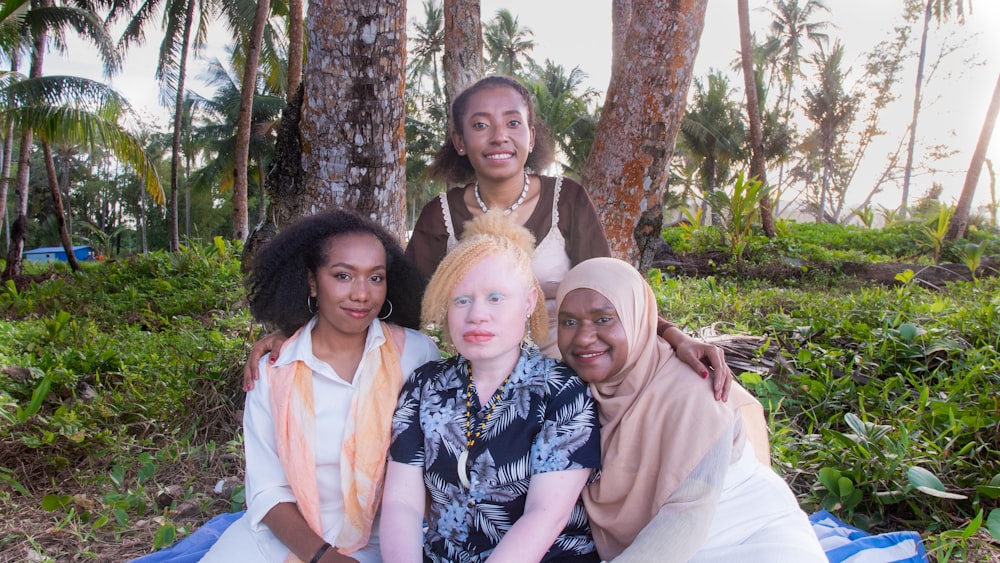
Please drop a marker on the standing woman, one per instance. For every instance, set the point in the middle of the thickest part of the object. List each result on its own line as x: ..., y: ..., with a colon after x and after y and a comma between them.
x: 500, y: 438
x: 679, y: 479
x: 317, y: 425
x: 494, y: 152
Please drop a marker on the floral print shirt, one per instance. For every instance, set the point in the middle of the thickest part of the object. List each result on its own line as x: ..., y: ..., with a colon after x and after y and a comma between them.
x: 544, y: 421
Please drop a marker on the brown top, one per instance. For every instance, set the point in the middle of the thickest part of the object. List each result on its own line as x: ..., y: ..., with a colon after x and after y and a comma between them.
x: 578, y: 223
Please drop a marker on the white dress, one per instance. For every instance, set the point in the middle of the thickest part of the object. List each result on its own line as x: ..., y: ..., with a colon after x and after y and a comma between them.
x: 248, y: 540
x: 739, y: 510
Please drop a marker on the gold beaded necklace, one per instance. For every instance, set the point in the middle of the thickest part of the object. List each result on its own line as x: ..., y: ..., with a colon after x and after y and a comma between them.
x: 470, y: 439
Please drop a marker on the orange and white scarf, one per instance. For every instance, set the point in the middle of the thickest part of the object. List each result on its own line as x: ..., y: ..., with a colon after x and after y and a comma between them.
x: 367, y: 433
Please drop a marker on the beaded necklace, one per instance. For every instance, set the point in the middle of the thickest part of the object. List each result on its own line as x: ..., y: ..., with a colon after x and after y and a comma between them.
x: 509, y: 210
x: 470, y: 438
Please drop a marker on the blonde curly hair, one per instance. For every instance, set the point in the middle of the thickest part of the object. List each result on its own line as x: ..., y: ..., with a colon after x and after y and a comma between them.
x: 491, y: 234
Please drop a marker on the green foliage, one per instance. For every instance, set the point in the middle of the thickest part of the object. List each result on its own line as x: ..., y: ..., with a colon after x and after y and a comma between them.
x: 938, y: 229
x: 866, y: 215
x: 971, y: 255
x: 882, y: 400
x: 739, y: 210
x: 131, y: 367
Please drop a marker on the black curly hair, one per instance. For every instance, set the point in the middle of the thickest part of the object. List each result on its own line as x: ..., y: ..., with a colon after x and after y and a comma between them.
x: 278, y: 284
x: 454, y: 168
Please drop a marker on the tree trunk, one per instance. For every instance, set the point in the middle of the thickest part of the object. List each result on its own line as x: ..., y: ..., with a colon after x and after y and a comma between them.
x: 463, y: 46
x: 960, y: 220
x: 296, y: 44
x: 241, y: 213
x: 67, y: 242
x: 142, y: 217
x: 175, y: 148
x: 907, y: 171
x: 354, y: 146
x: 757, y: 169
x: 8, y: 153
x: 628, y: 168
x: 19, y: 232
x: 621, y: 18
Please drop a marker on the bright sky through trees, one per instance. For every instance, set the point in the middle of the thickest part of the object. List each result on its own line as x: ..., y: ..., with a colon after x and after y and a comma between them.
x: 578, y: 33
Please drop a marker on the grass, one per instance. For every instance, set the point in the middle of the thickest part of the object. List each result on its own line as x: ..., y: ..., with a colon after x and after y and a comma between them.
x: 119, y: 398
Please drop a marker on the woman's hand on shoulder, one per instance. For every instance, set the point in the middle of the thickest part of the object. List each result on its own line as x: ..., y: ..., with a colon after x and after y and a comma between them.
x: 698, y: 355
x: 270, y: 343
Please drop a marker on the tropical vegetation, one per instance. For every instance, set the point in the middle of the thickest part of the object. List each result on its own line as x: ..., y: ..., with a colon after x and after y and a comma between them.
x: 868, y: 331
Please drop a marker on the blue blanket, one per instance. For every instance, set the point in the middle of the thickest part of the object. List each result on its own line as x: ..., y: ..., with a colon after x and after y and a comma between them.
x: 195, y: 546
x: 846, y: 544
x: 842, y: 543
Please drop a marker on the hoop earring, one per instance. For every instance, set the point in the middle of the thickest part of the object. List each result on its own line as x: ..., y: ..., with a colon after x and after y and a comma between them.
x: 312, y: 304
x: 386, y: 316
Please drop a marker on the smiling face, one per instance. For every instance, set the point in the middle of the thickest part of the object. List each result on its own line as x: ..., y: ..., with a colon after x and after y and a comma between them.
x: 350, y: 285
x: 495, y: 133
x: 487, y: 311
x: 591, y: 336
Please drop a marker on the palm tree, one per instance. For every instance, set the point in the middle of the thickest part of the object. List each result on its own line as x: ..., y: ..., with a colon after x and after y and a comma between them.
x: 832, y: 110
x: 252, y: 54
x: 216, y: 135
x: 757, y: 168
x: 181, y: 19
x: 940, y: 10
x: 566, y: 112
x: 46, y: 106
x: 713, y: 132
x: 507, y: 43
x: 428, y: 46
x: 793, y: 25
x: 960, y: 220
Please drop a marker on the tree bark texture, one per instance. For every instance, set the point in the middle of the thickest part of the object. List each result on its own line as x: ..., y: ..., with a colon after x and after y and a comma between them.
x: 241, y: 216
x: 463, y: 46
x: 757, y: 168
x: 296, y: 44
x: 628, y: 168
x: 960, y: 220
x: 353, y: 143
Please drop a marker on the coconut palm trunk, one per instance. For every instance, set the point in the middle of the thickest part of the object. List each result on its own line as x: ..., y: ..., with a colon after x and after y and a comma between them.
x: 53, y: 178
x: 19, y: 230
x: 757, y: 169
x: 960, y: 220
x: 241, y: 217
x: 175, y: 146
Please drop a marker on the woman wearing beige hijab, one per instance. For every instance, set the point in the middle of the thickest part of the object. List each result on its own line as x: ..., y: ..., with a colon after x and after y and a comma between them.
x: 679, y: 479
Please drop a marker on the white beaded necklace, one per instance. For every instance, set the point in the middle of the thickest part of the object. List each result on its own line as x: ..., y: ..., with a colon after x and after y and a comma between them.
x: 520, y: 199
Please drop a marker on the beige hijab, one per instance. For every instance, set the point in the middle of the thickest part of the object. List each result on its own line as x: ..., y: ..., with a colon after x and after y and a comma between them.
x: 658, y: 417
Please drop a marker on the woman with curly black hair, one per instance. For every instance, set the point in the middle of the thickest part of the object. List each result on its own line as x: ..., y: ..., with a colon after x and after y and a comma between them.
x: 317, y: 424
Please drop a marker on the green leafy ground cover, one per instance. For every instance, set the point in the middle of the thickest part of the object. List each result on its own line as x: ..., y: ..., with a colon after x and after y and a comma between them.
x: 119, y: 399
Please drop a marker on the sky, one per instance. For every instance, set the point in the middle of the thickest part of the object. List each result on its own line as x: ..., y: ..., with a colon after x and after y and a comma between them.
x: 578, y: 33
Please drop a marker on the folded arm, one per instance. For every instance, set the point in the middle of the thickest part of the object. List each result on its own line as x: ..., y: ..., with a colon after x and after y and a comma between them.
x: 403, y: 502
x: 551, y: 497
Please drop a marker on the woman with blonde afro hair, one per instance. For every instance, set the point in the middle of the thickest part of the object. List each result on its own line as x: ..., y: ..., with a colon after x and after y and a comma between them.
x: 499, y: 437
x: 495, y: 235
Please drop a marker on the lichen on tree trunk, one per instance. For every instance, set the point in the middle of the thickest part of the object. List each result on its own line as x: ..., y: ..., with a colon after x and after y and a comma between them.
x: 628, y: 168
